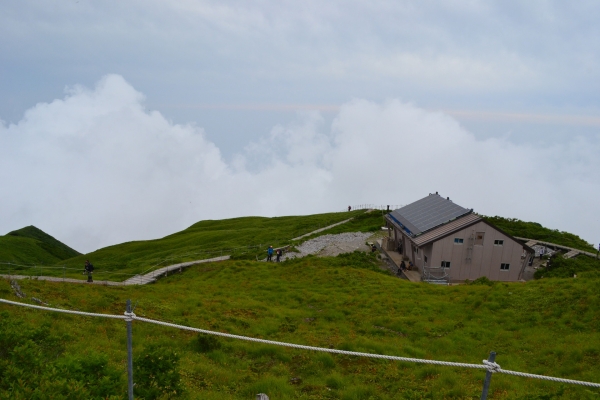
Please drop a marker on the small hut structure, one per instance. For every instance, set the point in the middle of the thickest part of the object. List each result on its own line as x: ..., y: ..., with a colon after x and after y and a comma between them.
x: 449, y: 243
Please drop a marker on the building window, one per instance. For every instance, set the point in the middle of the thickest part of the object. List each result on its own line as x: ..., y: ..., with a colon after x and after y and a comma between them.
x: 504, y: 267
x: 458, y: 241
x: 425, y: 258
x: 445, y: 264
x: 498, y: 242
x: 416, y: 249
x: 479, y: 238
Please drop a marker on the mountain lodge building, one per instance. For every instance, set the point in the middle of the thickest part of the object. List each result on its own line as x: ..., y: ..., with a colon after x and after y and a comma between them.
x: 448, y: 243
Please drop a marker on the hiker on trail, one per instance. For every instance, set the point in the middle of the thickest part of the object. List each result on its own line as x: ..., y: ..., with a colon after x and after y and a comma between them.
x: 403, y: 266
x: 278, y: 253
x: 270, y: 254
x: 349, y: 208
x: 541, y: 253
x: 89, y: 270
x: 373, y: 248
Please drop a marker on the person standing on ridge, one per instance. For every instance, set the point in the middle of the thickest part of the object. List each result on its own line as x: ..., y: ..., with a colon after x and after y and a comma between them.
x: 279, y: 253
x: 89, y: 269
x: 270, y: 253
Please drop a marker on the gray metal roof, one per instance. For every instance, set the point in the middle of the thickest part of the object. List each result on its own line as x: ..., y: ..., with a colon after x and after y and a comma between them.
x: 446, y: 229
x: 427, y: 213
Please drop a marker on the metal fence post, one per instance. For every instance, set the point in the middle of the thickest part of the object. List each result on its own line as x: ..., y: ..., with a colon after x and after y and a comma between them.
x: 129, y: 353
x: 488, y: 377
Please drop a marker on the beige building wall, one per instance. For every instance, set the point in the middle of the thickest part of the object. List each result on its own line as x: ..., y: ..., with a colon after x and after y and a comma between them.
x: 486, y: 257
x: 427, y: 252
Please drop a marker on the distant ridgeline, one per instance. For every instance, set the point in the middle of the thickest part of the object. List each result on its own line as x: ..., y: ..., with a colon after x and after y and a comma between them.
x: 206, y: 239
x: 31, y: 245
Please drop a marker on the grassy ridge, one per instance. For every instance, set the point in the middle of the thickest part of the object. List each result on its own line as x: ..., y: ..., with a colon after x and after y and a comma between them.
x: 31, y: 245
x: 246, y: 237
x: 24, y: 251
x: 47, y: 242
x: 548, y: 327
x: 243, y: 238
x: 533, y: 230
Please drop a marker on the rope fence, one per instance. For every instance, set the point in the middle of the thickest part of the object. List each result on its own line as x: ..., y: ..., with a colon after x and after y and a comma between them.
x: 489, y: 365
x: 390, y: 207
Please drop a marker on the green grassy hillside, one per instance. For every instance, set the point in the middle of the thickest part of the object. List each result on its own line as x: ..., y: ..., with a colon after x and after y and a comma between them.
x: 533, y: 230
x: 31, y: 245
x: 243, y: 238
x: 47, y: 242
x: 549, y: 327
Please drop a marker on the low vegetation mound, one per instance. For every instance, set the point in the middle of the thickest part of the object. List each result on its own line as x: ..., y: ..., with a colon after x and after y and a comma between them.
x: 533, y: 230
x: 582, y: 266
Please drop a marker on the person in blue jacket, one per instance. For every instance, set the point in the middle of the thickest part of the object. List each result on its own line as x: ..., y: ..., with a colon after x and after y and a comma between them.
x: 88, y: 269
x: 270, y: 254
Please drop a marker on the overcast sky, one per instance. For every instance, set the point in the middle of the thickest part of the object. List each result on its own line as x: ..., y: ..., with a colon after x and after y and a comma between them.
x: 134, y: 119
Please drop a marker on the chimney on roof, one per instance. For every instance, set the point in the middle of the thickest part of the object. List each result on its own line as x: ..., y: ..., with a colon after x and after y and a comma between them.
x: 447, y: 198
x: 436, y: 192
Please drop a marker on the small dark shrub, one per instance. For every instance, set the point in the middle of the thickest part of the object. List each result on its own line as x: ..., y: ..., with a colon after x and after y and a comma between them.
x: 288, y: 327
x: 484, y: 280
x: 206, y: 343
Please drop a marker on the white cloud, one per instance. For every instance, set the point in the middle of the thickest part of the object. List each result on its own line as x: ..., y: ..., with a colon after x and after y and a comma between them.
x: 97, y: 168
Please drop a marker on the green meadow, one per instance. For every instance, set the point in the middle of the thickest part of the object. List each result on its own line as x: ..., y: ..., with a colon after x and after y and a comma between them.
x: 548, y: 326
x: 242, y: 238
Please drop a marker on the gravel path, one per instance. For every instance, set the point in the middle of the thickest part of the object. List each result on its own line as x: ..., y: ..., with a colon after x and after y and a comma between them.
x: 150, y: 277
x: 322, y: 229
x: 332, y: 245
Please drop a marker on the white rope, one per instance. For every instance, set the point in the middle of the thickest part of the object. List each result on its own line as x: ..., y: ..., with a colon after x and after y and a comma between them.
x: 63, y: 311
x: 490, y: 366
x: 303, y: 347
x: 493, y: 367
x: 487, y: 365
